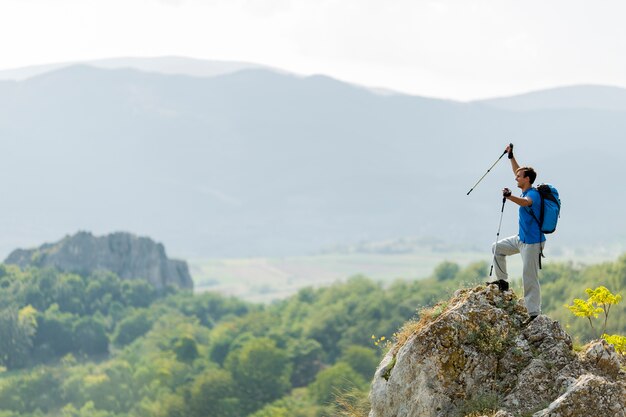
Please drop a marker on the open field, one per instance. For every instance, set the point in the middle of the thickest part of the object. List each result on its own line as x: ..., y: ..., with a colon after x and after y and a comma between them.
x: 267, y: 279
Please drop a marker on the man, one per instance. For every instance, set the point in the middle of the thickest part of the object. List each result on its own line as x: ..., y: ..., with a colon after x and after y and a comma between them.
x: 528, y: 242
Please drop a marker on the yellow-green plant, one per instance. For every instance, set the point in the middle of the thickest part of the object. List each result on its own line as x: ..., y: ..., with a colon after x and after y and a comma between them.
x: 602, y: 297
x: 378, y: 341
x: 619, y: 342
x: 599, y: 302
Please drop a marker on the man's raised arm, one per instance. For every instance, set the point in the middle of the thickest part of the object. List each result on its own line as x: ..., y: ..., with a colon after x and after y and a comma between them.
x: 514, y: 164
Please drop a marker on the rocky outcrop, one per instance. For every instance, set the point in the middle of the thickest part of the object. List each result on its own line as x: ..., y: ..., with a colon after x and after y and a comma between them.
x: 473, y: 356
x: 128, y: 256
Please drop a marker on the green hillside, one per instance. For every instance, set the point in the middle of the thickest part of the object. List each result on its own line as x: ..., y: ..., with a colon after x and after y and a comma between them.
x: 99, y: 346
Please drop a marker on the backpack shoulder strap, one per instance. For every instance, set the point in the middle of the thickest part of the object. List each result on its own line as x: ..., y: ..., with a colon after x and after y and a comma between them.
x: 532, y: 213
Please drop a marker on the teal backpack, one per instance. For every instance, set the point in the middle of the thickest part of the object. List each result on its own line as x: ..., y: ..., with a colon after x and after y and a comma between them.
x: 549, y: 213
x: 550, y: 208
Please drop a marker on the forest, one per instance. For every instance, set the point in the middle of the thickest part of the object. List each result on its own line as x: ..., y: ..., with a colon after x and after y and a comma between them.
x: 100, y: 346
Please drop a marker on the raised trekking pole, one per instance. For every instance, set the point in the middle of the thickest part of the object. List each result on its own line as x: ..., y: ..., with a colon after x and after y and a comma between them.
x: 494, y: 164
x: 495, y: 246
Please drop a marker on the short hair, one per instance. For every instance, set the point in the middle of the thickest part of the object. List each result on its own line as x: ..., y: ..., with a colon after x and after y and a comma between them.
x: 528, y: 172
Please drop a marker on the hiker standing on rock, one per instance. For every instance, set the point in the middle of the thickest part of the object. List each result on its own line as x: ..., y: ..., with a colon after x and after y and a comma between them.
x: 528, y: 242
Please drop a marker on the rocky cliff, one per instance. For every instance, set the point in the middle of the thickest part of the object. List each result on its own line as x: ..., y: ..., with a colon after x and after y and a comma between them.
x: 471, y: 356
x: 129, y: 256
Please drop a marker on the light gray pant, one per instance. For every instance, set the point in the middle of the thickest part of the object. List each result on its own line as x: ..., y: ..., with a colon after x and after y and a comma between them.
x: 530, y: 268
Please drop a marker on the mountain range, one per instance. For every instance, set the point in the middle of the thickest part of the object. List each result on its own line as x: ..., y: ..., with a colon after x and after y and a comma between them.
x: 252, y: 161
x: 161, y: 65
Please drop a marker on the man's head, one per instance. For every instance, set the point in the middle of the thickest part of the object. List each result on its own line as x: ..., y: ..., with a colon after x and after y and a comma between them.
x: 525, y: 177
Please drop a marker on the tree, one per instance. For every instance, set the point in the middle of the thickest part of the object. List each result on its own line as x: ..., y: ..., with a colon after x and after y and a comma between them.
x: 306, y: 356
x: 70, y: 293
x: 132, y: 327
x: 361, y: 359
x: 599, y: 301
x: 35, y: 297
x: 446, y: 271
x: 54, y: 333
x: 37, y: 389
x: 214, y: 394
x: 110, y: 386
x: 186, y: 349
x: 87, y: 410
x: 618, y: 341
x: 603, y: 298
x: 298, y: 404
x: 334, y: 381
x: 17, y: 330
x: 328, y: 326
x: 172, y: 405
x: 103, y: 288
x: 90, y: 336
x: 261, y: 371
x: 138, y: 293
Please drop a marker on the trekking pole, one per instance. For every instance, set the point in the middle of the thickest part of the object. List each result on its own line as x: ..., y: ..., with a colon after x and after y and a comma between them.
x: 494, y: 164
x: 495, y: 246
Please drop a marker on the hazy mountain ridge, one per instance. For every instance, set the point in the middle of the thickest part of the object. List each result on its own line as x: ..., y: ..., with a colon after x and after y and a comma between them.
x: 261, y: 163
x: 599, y: 97
x: 164, y: 65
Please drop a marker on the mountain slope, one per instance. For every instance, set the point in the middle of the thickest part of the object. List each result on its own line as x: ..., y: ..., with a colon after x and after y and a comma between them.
x: 261, y: 163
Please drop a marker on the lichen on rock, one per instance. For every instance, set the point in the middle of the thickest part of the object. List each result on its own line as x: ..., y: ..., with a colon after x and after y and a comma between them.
x: 476, y: 357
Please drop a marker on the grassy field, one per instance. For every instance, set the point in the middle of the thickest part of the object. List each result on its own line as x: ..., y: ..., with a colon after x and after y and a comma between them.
x: 267, y: 279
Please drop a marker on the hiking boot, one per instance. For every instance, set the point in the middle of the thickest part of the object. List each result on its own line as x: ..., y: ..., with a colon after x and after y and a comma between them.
x: 529, y: 320
x: 502, y: 284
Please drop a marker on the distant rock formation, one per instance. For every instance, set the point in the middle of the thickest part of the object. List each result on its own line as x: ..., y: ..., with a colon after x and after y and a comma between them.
x: 129, y: 256
x: 472, y: 356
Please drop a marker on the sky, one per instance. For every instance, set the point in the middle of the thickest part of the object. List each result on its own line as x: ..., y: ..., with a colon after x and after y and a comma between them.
x: 456, y: 49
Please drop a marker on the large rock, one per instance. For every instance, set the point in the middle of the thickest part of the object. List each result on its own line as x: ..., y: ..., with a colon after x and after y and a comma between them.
x: 475, y: 357
x: 129, y: 256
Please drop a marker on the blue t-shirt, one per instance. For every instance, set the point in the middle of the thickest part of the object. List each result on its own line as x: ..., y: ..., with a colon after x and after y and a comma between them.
x: 529, y: 231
